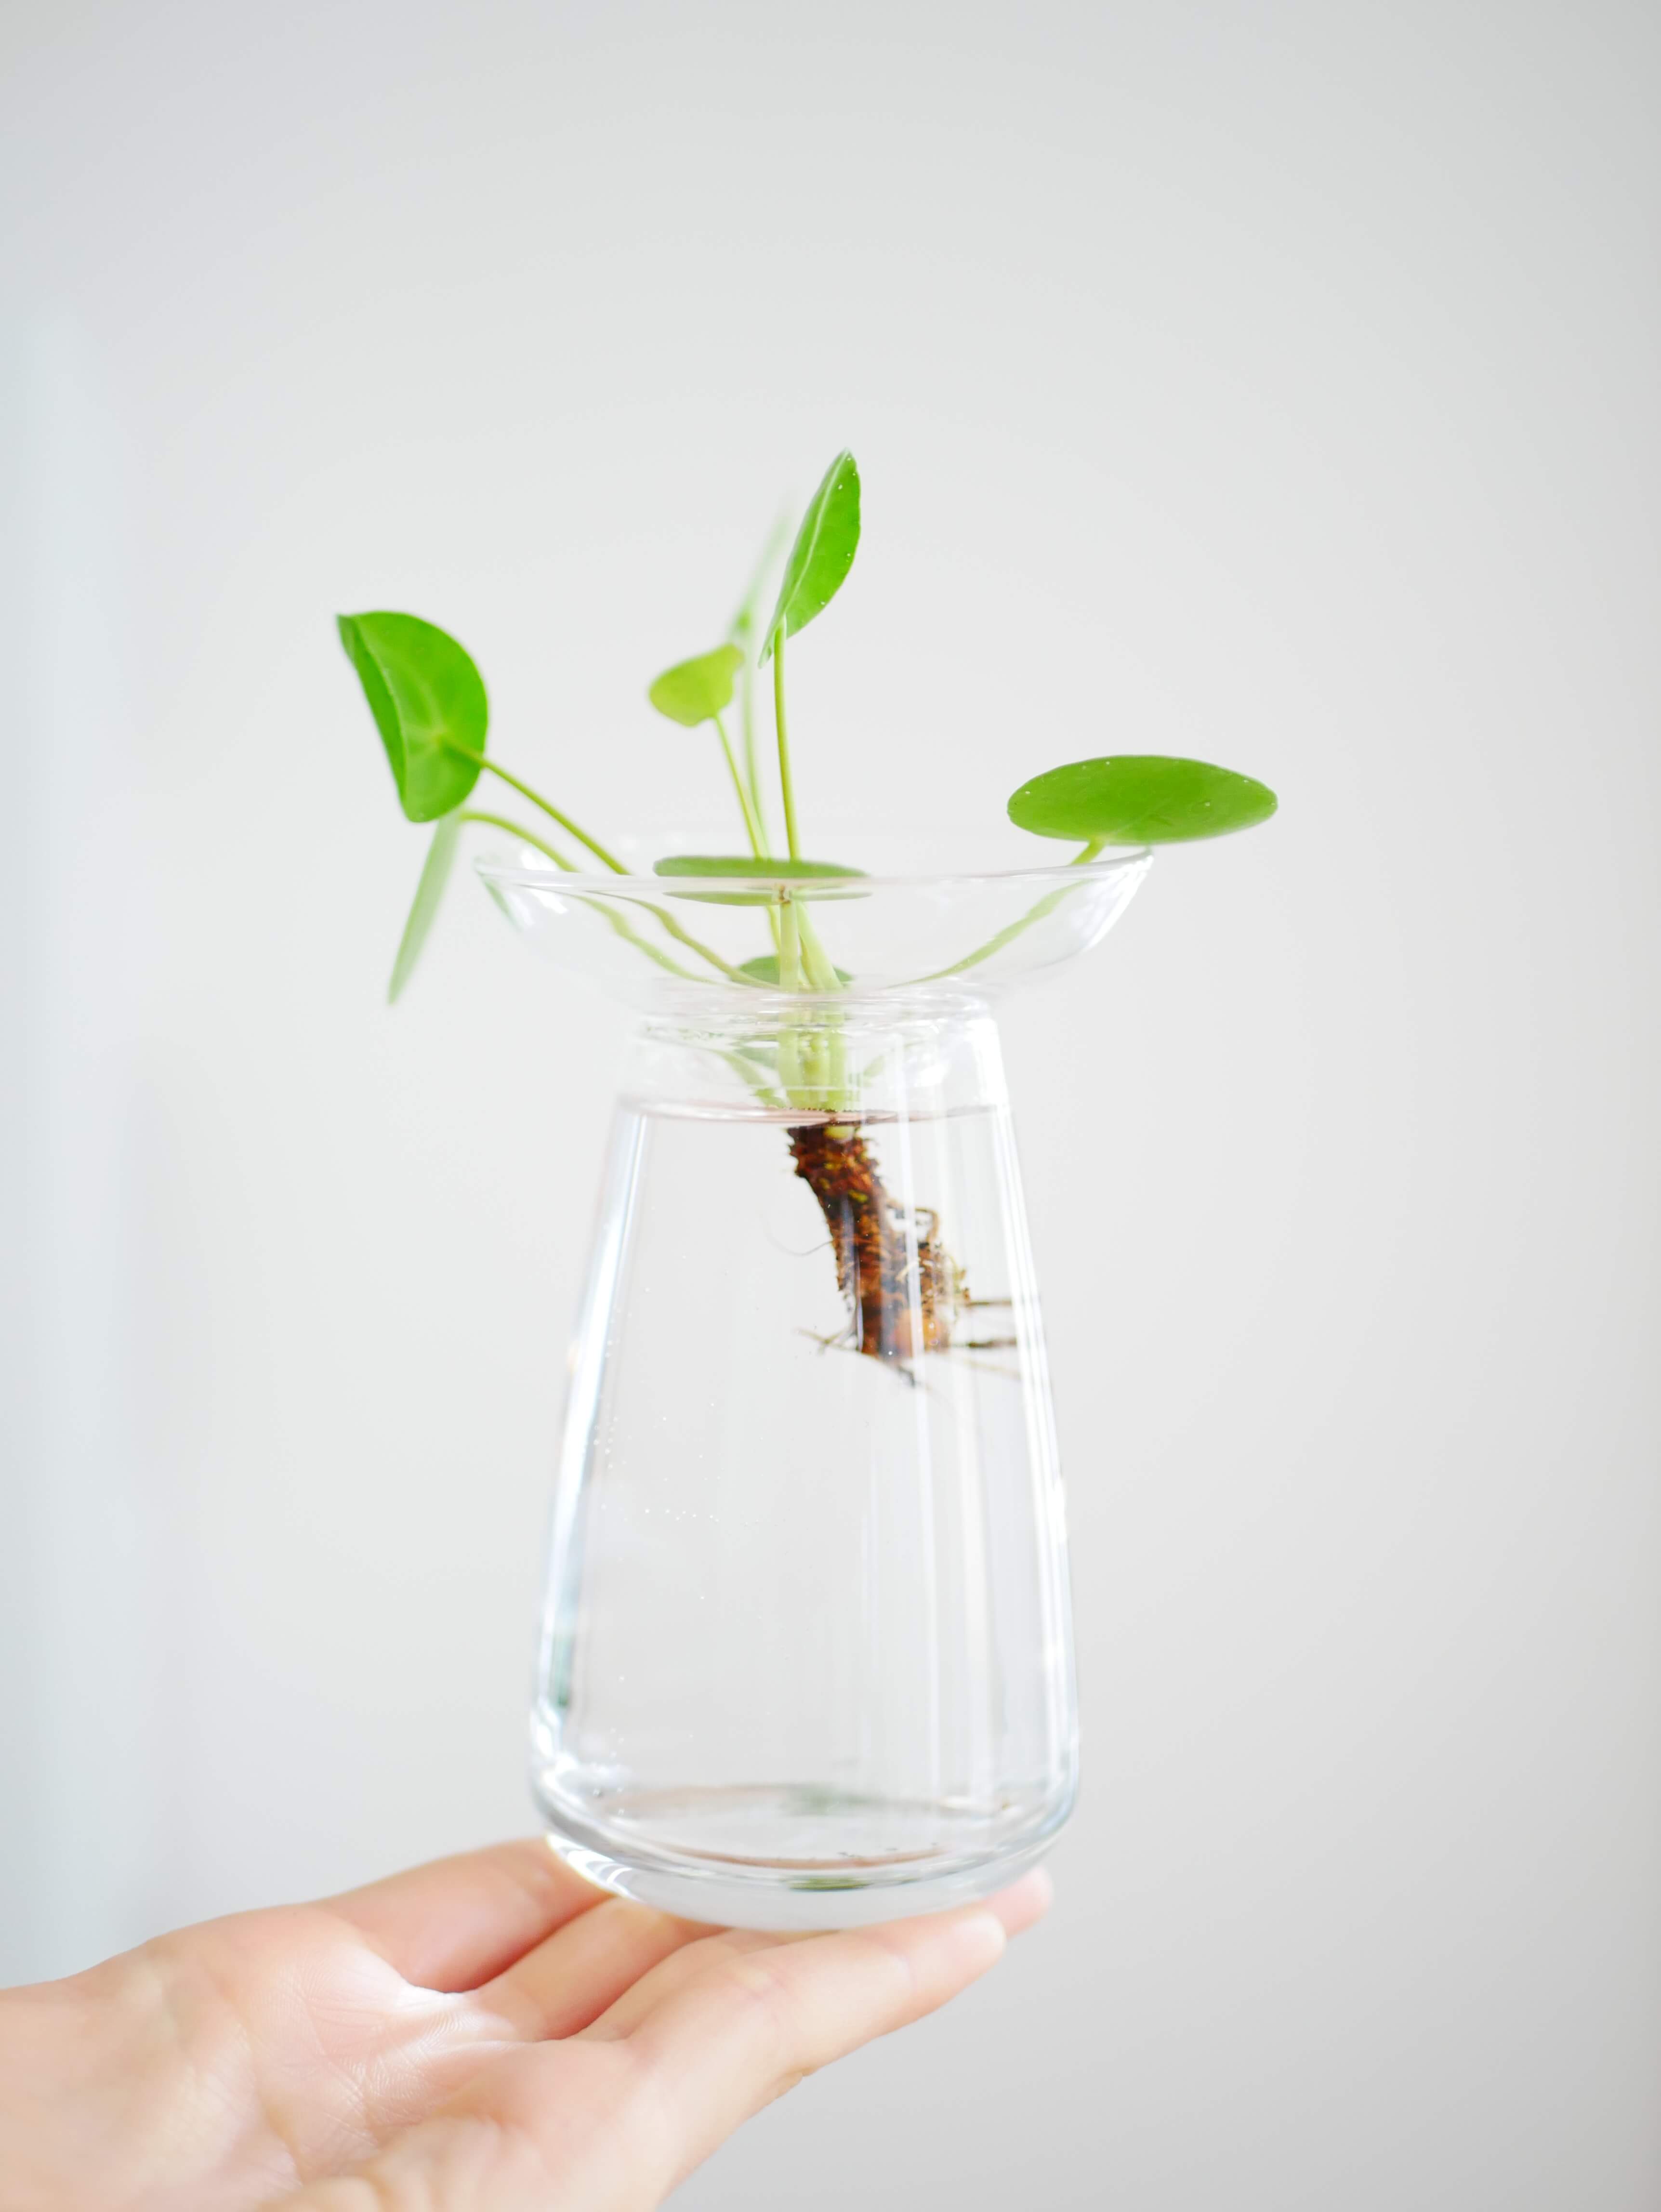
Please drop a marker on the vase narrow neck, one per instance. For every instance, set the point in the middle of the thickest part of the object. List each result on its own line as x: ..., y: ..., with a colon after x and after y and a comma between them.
x: 780, y: 1059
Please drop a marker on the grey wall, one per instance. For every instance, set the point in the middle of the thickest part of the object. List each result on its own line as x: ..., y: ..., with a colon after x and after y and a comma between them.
x: 1273, y: 383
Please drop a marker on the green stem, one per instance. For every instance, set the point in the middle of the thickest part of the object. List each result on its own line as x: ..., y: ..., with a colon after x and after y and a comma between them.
x: 743, y: 635
x: 790, y: 1069
x: 617, y: 922
x: 547, y: 806
x: 1046, y: 905
x: 821, y: 975
x: 626, y: 930
x: 752, y: 767
x: 752, y: 827
x: 785, y: 783
x: 623, y: 928
x: 682, y: 936
x: 764, y: 1091
x: 517, y: 829
x: 813, y: 1060
x: 692, y: 944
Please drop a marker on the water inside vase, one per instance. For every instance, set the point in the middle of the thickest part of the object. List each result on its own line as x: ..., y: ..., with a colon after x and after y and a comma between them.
x: 806, y: 1627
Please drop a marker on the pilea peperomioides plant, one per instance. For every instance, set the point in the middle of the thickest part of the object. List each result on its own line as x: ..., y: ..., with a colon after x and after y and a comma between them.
x: 901, y: 1286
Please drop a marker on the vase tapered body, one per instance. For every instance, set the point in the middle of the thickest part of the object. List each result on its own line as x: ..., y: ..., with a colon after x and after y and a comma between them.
x: 806, y: 1658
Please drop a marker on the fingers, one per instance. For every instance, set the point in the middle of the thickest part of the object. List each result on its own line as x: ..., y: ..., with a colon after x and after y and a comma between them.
x: 1017, y: 1908
x: 635, y: 2006
x: 456, y: 1923
x: 1026, y: 1902
x: 580, y: 1971
x: 723, y: 2027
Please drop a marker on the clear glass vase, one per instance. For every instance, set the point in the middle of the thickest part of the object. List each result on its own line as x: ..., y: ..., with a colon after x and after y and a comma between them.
x: 807, y: 1657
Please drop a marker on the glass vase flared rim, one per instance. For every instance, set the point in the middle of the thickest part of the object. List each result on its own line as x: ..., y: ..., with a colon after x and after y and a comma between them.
x: 963, y: 931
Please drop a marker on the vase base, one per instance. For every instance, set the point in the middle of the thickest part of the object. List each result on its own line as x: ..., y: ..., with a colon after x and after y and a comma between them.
x: 790, y: 1890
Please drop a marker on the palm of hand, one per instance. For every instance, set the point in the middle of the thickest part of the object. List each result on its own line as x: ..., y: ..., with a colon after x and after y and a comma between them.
x: 488, y: 2030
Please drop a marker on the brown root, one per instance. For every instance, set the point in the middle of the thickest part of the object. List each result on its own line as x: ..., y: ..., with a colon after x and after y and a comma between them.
x: 901, y: 1285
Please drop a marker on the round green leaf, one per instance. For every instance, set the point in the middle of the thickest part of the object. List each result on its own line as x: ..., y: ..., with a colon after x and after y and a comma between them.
x: 704, y: 864
x: 696, y: 692
x: 1140, y: 799
x: 823, y: 553
x: 748, y: 869
x: 429, y: 705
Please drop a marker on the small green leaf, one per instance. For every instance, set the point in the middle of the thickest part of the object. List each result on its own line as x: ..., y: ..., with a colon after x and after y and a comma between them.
x: 429, y: 891
x: 695, y: 691
x: 704, y: 864
x: 823, y: 553
x: 764, y: 969
x: 1140, y: 799
x: 748, y: 869
x: 429, y: 705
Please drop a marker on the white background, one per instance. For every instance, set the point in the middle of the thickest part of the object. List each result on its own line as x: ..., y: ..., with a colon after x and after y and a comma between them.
x: 1273, y: 382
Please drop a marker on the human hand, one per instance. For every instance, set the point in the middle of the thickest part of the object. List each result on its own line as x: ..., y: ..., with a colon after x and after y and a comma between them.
x: 489, y: 2033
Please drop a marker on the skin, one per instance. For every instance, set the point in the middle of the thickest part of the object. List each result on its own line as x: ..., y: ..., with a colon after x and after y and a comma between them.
x: 489, y: 2033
